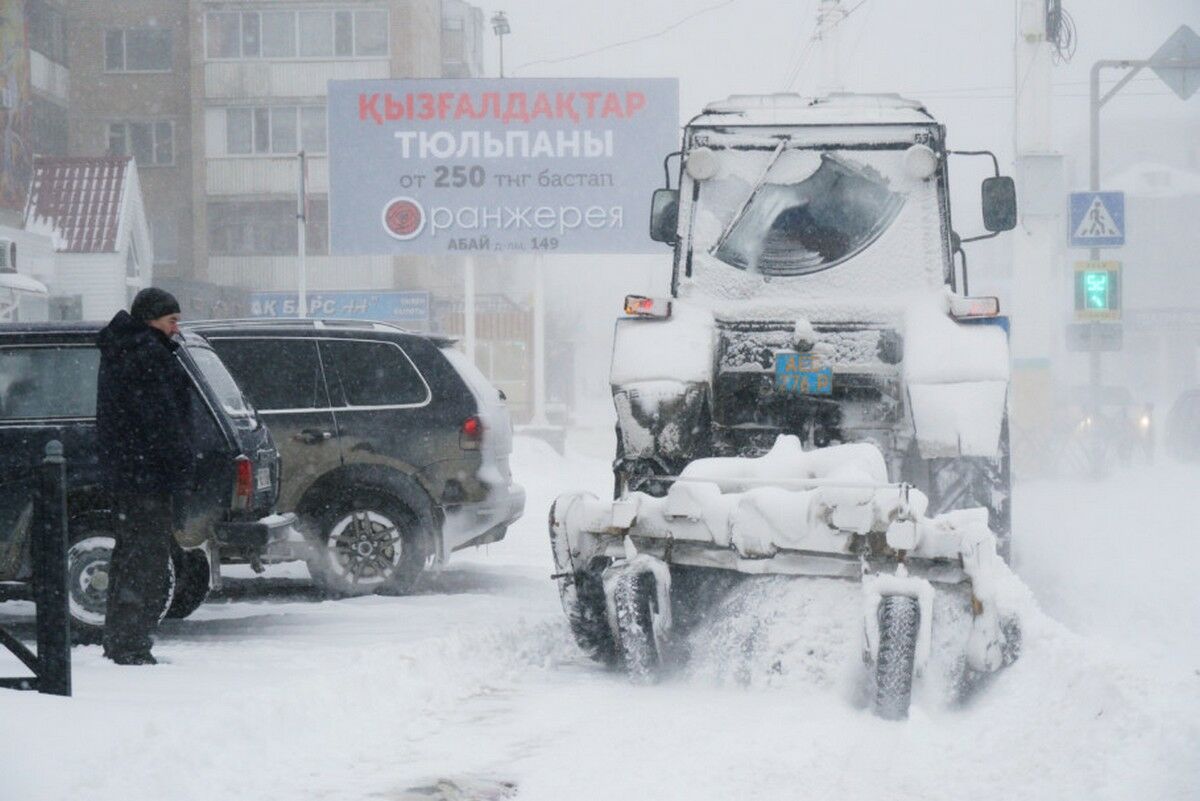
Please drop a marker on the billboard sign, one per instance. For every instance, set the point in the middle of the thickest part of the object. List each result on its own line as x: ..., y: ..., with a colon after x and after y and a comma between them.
x: 500, y: 166
x: 396, y: 307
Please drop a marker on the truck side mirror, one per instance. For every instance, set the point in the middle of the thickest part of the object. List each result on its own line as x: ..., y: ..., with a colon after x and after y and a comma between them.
x: 999, y: 196
x: 664, y: 215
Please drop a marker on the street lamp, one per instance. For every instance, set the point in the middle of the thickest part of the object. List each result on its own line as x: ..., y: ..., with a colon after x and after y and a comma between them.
x: 500, y: 27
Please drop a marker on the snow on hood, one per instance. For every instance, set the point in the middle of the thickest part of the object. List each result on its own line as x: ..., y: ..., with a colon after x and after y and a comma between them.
x: 957, y: 376
x: 938, y: 350
x: 679, y: 348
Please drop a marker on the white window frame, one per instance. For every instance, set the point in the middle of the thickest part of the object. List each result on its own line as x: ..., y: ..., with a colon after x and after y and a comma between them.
x: 297, y: 109
x: 153, y: 123
x: 125, y: 52
x: 296, y: 28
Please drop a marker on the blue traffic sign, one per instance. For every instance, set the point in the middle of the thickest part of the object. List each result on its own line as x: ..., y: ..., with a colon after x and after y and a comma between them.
x: 1097, y: 219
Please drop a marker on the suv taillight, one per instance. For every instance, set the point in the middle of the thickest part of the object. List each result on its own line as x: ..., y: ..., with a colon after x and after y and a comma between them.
x: 243, y: 485
x: 471, y: 433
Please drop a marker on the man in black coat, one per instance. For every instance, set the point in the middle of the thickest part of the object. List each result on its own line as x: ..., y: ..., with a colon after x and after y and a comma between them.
x: 143, y: 423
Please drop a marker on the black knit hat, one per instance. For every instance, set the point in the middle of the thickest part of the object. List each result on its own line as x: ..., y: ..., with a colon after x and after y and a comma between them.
x: 152, y: 303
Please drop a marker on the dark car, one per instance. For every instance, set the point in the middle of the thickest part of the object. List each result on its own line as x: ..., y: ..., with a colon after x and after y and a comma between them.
x: 395, y: 448
x: 48, y: 374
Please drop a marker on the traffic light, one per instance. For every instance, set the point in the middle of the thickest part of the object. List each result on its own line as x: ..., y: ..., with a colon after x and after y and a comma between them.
x: 1097, y: 290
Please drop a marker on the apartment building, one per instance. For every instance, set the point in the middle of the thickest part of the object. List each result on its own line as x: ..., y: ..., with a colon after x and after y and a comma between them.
x: 259, y: 97
x: 129, y: 96
x: 462, y: 40
x: 34, y: 92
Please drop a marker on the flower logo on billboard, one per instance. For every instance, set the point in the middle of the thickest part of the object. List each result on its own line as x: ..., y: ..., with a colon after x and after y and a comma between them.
x: 403, y: 218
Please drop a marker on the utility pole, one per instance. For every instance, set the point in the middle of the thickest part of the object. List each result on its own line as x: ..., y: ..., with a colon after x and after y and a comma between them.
x: 302, y: 224
x: 829, y: 17
x: 1038, y: 289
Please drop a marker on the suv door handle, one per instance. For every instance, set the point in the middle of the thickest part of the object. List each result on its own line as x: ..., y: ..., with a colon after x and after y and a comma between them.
x: 312, y: 436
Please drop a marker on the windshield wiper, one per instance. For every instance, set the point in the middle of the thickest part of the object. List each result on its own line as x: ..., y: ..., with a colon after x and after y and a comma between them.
x: 737, y: 218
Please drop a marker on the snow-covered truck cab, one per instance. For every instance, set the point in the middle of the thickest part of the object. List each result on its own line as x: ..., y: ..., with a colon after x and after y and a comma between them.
x: 815, y: 294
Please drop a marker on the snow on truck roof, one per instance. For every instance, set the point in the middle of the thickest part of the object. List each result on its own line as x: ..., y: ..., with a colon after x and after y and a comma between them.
x: 786, y: 108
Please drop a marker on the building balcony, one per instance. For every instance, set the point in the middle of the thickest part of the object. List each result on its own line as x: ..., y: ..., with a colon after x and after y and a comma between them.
x: 248, y: 80
x: 276, y: 175
x: 280, y: 273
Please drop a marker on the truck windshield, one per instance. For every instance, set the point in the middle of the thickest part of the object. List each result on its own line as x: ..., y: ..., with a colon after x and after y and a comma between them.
x: 807, y: 212
x: 222, y: 383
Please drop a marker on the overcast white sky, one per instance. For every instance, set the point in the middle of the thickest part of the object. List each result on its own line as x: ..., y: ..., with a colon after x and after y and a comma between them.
x: 956, y: 55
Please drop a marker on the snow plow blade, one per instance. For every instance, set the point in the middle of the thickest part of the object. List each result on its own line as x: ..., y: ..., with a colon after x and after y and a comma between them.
x: 829, y: 512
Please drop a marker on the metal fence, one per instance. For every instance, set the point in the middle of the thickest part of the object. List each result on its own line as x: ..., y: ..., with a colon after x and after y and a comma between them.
x: 51, y: 664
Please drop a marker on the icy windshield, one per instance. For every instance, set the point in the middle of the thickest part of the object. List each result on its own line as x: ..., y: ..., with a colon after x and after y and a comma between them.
x: 222, y: 383
x: 807, y: 211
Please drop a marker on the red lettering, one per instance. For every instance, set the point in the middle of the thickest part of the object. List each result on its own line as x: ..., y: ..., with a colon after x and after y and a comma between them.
x: 591, y: 98
x: 541, y: 107
x: 634, y: 102
x: 464, y: 107
x: 367, y: 107
x: 612, y: 106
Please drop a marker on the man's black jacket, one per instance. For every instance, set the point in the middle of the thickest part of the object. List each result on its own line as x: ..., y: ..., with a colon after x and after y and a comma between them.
x: 143, y: 410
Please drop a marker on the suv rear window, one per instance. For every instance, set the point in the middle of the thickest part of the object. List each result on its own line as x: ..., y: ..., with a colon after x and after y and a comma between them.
x: 221, y: 381
x: 276, y: 373
x: 41, y: 382
x: 372, y: 373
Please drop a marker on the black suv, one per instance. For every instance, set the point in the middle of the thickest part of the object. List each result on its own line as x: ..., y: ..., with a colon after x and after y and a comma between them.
x: 395, y: 448
x: 48, y: 374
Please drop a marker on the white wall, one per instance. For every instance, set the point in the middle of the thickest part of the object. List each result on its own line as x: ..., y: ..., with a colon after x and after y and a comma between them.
x: 98, y: 277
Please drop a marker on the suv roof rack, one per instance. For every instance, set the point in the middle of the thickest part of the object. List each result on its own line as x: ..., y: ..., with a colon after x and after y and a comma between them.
x: 199, y: 326
x: 298, y: 322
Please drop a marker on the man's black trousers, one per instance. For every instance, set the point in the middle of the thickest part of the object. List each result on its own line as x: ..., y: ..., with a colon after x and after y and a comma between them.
x: 139, y: 586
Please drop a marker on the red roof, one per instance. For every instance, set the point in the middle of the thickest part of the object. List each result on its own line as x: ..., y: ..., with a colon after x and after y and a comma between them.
x: 81, y: 199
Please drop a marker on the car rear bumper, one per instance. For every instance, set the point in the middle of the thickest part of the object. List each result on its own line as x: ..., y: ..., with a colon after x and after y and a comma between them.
x: 472, y: 524
x: 257, y: 534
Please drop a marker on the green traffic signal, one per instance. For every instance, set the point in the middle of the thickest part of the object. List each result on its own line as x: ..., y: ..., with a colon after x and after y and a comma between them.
x: 1096, y: 285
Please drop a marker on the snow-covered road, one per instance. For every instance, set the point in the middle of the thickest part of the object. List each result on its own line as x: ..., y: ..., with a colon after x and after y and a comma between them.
x: 274, y: 694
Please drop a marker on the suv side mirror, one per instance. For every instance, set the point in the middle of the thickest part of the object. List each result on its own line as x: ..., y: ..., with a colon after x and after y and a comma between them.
x: 664, y: 215
x: 999, y: 195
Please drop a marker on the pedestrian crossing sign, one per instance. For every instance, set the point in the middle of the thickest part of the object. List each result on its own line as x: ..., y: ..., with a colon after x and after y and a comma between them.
x: 1097, y: 219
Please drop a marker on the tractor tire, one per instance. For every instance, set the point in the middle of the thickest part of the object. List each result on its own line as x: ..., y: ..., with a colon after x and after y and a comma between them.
x: 899, y: 622
x: 191, y: 582
x: 635, y: 599
x: 583, y: 599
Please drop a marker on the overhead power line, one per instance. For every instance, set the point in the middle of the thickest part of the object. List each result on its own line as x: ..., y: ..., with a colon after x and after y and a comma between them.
x: 625, y: 42
x: 812, y: 41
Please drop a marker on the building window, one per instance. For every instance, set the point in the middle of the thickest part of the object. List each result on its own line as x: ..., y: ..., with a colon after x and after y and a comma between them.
x: 47, y: 31
x: 164, y: 234
x: 152, y: 144
x: 137, y: 50
x: 319, y: 34
x: 49, y: 128
x: 280, y: 130
x: 266, y: 228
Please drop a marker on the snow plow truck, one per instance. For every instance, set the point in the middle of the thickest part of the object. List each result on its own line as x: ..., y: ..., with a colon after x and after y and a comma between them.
x: 819, y: 396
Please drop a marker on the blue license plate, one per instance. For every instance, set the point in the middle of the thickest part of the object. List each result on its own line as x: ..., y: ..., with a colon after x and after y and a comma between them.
x: 802, y: 374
